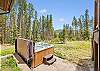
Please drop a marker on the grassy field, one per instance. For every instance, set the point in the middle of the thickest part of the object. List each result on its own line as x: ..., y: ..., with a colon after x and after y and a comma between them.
x: 9, y: 64
x: 73, y: 51
x: 7, y: 51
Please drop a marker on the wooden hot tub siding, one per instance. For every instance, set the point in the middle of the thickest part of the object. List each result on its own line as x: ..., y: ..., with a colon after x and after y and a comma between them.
x: 38, y: 57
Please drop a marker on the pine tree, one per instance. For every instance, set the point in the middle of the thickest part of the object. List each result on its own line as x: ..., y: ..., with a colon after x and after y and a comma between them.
x: 61, y: 36
x: 14, y: 29
x: 80, y: 27
x: 70, y: 33
x: 64, y: 33
x: 47, y: 27
x: 24, y: 18
x: 74, y: 24
x: 83, y: 27
x: 87, y: 33
x: 30, y: 13
x: 19, y: 23
x: 35, y: 28
x: 43, y: 28
x: 67, y: 31
x: 51, y: 28
x: 3, y: 28
x: 91, y: 24
x: 40, y: 29
x: 20, y: 11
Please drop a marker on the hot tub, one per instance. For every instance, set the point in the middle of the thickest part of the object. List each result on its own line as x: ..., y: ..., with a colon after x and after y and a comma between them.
x: 33, y: 55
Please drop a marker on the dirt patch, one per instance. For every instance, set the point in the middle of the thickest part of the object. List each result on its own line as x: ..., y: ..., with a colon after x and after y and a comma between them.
x: 6, y: 46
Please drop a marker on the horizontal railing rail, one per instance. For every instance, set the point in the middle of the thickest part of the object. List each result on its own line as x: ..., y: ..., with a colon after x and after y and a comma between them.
x: 96, y: 30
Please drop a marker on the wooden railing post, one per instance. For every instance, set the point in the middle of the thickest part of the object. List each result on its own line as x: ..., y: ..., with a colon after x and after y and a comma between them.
x: 96, y: 37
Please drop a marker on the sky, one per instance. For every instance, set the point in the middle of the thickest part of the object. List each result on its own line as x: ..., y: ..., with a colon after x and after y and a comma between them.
x: 63, y: 10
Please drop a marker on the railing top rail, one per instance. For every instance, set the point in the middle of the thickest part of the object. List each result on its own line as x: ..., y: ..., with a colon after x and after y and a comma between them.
x: 96, y: 30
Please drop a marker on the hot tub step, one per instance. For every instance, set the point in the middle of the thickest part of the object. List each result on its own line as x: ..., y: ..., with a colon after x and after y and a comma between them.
x: 48, y: 57
x: 51, y: 61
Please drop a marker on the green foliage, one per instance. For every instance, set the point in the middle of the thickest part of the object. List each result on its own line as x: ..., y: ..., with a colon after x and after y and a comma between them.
x: 47, y: 30
x: 87, y: 33
x: 80, y: 27
x: 73, y: 51
x: 61, y: 37
x: 70, y: 33
x: 75, y: 25
x: 23, y: 21
x: 51, y: 29
x: 64, y: 33
x: 7, y: 51
x: 14, y: 30
x: 43, y: 28
x: 30, y: 13
x: 91, y: 25
x: 55, y: 40
x: 59, y: 54
x: 9, y: 64
x: 55, y: 35
x: 35, y: 28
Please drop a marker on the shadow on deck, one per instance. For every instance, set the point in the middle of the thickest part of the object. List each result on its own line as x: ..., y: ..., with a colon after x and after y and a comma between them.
x: 85, y: 65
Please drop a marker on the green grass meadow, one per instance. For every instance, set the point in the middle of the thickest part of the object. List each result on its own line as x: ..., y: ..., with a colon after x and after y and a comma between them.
x: 7, y: 51
x: 9, y: 64
x: 73, y: 51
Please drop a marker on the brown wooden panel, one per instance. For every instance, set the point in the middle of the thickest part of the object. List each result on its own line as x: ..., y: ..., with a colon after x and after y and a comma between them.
x: 39, y: 56
x: 6, y: 4
x: 22, y: 47
x: 96, y: 14
x: 96, y: 42
x: 95, y: 56
x: 48, y: 51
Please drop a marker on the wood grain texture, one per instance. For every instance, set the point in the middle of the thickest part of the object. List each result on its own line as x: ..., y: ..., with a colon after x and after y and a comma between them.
x: 38, y: 59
